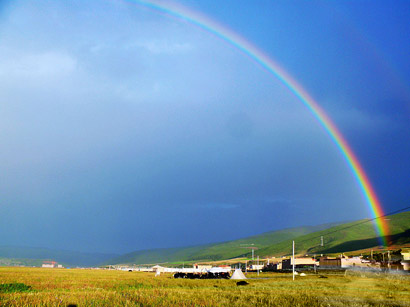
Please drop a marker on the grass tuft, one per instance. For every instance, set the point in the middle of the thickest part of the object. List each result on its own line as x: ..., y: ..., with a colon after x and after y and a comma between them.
x: 14, y: 287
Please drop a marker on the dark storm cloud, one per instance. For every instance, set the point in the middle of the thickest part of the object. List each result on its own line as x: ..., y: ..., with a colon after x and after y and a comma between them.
x: 124, y: 129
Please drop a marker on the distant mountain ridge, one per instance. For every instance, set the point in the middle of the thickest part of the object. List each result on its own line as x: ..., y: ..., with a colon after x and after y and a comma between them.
x: 35, y: 255
x: 337, y: 237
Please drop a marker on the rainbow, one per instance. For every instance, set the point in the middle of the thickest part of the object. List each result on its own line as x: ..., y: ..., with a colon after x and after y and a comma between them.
x: 204, y: 22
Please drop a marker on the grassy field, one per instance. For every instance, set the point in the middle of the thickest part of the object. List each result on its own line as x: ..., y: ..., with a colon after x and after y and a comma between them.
x: 62, y: 287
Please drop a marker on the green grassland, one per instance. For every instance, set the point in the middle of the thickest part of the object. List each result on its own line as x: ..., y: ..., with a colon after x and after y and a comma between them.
x: 85, y: 287
x: 338, y: 238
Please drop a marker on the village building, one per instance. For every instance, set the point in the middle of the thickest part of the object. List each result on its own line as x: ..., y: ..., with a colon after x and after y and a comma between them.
x: 226, y: 267
x: 347, y: 262
x: 300, y: 263
x: 330, y: 262
x: 273, y: 264
x: 255, y: 267
x: 202, y: 266
x: 49, y: 264
x: 406, y: 260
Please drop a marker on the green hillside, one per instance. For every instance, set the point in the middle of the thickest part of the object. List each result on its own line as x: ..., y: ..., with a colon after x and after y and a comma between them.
x: 344, y: 238
x: 217, y: 251
x: 337, y: 238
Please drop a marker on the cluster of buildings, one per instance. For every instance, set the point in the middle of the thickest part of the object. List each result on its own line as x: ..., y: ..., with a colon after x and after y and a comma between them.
x: 401, y: 261
x: 196, y: 268
x: 322, y: 262
x: 406, y: 260
x: 51, y: 264
x: 301, y: 263
x: 341, y: 262
x: 283, y: 264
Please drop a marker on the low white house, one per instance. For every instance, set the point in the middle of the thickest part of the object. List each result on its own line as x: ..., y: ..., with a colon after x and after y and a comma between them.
x: 257, y: 266
x: 49, y: 264
x: 355, y: 262
x: 406, y: 260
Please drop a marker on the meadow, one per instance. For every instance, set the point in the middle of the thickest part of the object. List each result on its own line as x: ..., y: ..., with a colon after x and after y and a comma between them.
x: 85, y: 287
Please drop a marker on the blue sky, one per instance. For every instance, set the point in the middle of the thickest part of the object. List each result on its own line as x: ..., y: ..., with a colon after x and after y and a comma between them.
x: 124, y: 128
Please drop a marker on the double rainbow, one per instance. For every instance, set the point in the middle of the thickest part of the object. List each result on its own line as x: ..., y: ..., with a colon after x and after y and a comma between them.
x: 266, y: 62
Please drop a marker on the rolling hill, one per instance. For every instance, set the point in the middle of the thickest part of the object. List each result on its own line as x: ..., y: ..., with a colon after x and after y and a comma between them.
x: 217, y: 251
x: 337, y: 238
x: 345, y: 237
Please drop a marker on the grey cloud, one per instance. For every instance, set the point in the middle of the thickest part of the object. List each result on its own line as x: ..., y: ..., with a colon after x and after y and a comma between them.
x: 125, y: 127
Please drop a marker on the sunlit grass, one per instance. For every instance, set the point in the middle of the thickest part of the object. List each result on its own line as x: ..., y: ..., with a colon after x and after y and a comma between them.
x: 61, y: 287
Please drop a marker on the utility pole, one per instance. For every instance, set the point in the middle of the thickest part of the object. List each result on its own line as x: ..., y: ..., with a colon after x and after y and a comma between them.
x: 258, y: 265
x: 314, y: 258
x: 389, y: 259
x: 250, y: 246
x: 293, y: 259
x: 321, y: 241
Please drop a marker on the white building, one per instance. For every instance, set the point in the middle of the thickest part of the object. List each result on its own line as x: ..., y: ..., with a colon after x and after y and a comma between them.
x: 49, y: 264
x: 406, y: 260
x: 355, y: 262
x: 257, y: 267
